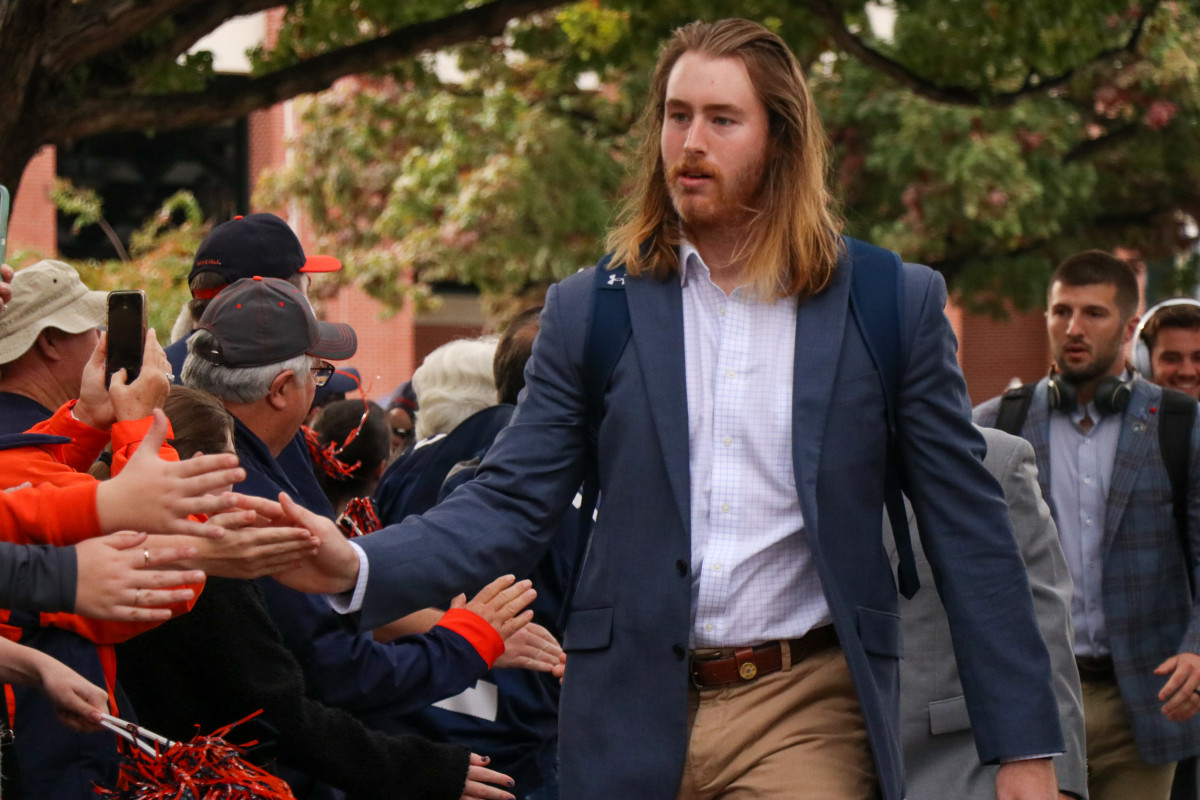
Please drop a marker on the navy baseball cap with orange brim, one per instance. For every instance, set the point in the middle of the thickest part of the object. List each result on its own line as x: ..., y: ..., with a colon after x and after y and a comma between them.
x: 259, y: 321
x: 256, y: 244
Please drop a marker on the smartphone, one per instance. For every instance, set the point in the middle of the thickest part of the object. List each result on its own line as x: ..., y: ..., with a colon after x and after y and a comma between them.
x: 3, y: 223
x: 126, y: 333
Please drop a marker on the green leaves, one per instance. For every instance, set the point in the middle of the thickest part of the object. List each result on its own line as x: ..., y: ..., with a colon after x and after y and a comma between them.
x: 499, y: 163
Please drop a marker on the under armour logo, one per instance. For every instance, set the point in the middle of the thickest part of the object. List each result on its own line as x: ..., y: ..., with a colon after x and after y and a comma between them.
x: 616, y: 280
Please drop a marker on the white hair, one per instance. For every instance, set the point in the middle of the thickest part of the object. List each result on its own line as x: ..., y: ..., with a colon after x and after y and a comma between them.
x: 454, y: 382
x: 235, y: 384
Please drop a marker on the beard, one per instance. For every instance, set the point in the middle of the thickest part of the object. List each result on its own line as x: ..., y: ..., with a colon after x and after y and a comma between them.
x: 1104, y: 356
x: 731, y: 201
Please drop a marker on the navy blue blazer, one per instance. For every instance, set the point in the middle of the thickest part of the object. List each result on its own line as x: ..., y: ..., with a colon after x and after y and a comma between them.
x: 623, y: 725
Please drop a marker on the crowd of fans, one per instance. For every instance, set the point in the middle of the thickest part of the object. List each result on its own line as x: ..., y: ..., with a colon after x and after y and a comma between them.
x: 139, y: 564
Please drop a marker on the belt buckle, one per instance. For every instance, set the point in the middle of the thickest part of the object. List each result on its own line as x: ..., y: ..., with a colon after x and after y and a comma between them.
x: 694, y: 674
x: 748, y: 671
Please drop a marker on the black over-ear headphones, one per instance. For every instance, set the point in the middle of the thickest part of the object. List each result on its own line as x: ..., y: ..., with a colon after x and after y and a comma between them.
x: 1111, y: 397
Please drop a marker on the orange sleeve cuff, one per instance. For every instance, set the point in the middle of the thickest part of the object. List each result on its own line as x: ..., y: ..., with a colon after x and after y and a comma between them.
x: 475, y: 629
x: 86, y: 441
x: 127, y: 436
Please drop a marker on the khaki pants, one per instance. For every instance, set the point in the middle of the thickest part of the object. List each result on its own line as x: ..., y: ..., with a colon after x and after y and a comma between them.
x: 796, y: 734
x: 1116, y: 770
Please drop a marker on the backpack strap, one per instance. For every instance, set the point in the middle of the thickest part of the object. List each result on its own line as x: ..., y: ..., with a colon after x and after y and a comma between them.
x: 1014, y: 407
x: 1177, y: 417
x: 609, y: 331
x: 876, y: 290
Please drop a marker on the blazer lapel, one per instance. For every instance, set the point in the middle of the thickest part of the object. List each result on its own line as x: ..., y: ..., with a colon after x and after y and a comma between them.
x: 656, y: 316
x: 1137, y: 431
x: 820, y: 327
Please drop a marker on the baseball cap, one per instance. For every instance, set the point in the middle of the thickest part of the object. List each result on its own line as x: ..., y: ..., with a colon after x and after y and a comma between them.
x: 48, y: 294
x: 257, y: 244
x: 257, y: 321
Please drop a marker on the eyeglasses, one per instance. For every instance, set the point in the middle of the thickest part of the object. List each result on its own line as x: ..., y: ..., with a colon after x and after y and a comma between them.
x: 323, y: 373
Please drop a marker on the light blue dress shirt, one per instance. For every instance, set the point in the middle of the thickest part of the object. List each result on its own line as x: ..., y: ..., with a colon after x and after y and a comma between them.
x: 1081, y: 465
x: 753, y: 576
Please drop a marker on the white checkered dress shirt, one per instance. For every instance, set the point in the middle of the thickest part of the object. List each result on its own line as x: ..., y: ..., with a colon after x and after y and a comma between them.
x: 753, y: 576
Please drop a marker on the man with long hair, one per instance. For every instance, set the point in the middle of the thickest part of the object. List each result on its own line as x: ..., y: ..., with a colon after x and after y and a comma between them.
x: 733, y: 626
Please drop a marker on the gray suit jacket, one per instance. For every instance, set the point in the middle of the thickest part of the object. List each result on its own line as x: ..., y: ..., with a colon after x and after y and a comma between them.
x: 935, y: 732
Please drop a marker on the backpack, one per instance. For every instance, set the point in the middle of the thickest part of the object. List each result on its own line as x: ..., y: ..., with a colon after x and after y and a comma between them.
x: 1177, y: 416
x: 876, y: 289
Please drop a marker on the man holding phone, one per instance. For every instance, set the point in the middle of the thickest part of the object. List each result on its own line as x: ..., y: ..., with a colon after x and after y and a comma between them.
x: 48, y: 331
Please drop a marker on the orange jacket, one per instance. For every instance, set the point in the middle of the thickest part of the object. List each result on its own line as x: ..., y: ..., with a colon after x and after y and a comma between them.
x: 58, y: 504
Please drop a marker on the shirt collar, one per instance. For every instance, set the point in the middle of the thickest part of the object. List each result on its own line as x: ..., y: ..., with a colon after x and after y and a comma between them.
x: 690, y: 259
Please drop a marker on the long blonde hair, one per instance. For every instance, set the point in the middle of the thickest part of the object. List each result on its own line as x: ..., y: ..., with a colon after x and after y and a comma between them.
x: 791, y: 245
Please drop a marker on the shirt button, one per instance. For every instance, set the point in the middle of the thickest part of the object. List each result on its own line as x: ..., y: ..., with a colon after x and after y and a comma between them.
x: 681, y: 567
x: 721, y: 313
x: 708, y: 627
x: 731, y: 374
x: 716, y: 567
x: 727, y: 441
x: 724, y: 508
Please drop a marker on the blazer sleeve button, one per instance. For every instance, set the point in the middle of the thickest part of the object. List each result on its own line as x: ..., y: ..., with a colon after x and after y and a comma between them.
x: 681, y: 567
x: 679, y: 650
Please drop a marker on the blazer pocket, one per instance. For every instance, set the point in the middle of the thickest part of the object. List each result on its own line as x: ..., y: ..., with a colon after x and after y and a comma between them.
x: 948, y: 716
x: 879, y: 632
x: 588, y: 629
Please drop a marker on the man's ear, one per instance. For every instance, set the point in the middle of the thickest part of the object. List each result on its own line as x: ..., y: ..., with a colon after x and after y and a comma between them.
x: 1131, y: 328
x: 47, y: 344
x: 284, y: 382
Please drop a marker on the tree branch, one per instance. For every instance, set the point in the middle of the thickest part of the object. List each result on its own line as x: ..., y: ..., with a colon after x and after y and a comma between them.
x: 229, y: 97
x: 1090, y: 147
x: 86, y: 30
x: 959, y: 95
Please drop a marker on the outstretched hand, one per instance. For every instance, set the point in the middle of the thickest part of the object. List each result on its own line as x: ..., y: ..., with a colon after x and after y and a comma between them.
x: 532, y: 647
x: 251, y: 547
x: 334, y: 568
x: 158, y: 496
x: 117, y: 580
x: 478, y: 778
x: 501, y: 604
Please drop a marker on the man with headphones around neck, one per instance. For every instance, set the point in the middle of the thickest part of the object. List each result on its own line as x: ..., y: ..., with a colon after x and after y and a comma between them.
x: 1093, y: 424
x: 1168, y: 345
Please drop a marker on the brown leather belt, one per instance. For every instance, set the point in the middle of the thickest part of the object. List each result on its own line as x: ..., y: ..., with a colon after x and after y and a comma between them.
x: 1093, y: 669
x: 748, y: 663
